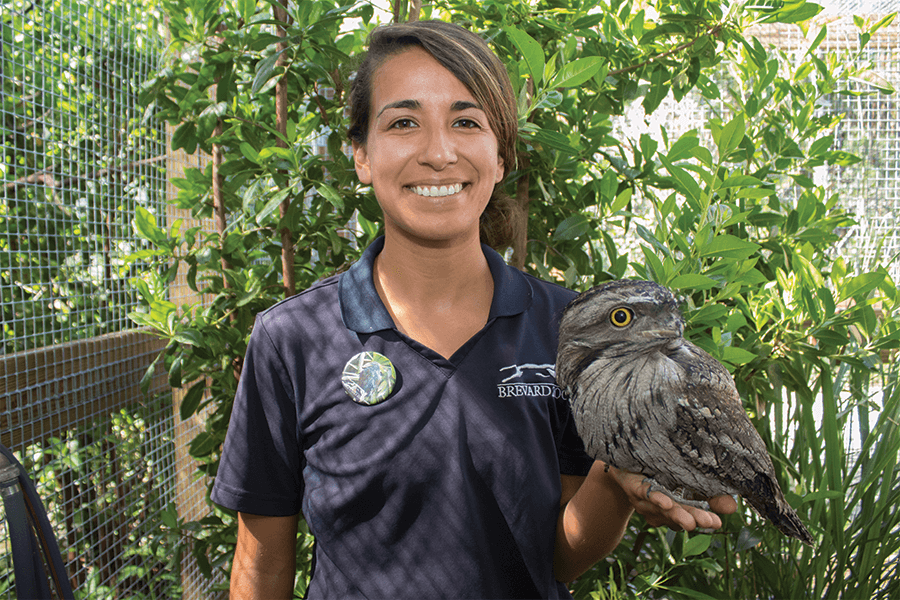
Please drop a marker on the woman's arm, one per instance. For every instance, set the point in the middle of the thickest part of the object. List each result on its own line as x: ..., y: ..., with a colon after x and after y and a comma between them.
x: 265, y: 558
x: 592, y: 519
x: 595, y: 511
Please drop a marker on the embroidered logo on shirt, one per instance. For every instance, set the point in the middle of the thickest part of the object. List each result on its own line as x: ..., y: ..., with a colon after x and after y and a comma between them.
x: 528, y: 379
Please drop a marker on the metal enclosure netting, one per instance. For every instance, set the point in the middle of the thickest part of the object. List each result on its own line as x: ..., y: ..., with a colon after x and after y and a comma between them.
x: 77, y: 158
x: 870, y: 129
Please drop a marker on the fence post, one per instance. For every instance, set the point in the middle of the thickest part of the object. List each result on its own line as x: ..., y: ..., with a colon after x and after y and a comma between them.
x: 190, y: 491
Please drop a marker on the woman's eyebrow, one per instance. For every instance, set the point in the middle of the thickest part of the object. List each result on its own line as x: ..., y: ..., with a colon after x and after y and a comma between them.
x: 465, y: 105
x: 412, y: 104
x: 457, y: 106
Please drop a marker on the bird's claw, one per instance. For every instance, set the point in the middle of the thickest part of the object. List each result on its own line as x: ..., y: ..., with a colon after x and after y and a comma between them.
x: 655, y: 487
x: 651, y: 483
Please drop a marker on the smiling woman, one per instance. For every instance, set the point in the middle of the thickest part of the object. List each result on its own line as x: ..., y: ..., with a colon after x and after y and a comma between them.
x: 430, y: 153
x: 479, y: 71
x: 378, y: 401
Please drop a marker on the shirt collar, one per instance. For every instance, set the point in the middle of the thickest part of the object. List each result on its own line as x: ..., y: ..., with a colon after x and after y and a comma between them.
x: 363, y: 311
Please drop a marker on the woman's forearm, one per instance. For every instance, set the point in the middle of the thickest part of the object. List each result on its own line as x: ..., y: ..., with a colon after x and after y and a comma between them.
x: 591, y: 524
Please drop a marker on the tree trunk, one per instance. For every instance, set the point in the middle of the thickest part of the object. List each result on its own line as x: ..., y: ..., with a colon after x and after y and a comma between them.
x: 287, y: 238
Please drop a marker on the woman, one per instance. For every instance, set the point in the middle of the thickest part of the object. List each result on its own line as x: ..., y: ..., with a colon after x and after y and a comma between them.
x: 407, y: 407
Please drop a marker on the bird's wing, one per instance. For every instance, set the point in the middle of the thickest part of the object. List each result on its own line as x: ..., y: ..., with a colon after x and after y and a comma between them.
x: 711, y: 430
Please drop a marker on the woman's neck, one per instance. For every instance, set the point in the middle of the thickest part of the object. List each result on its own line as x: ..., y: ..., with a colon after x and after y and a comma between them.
x: 437, y: 294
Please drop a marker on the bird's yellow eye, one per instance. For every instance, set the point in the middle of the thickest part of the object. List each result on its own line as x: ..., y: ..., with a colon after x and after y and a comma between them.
x: 621, y: 317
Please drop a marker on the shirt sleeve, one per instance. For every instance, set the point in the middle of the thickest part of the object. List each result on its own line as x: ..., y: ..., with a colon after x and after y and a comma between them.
x: 260, y: 469
x: 573, y: 460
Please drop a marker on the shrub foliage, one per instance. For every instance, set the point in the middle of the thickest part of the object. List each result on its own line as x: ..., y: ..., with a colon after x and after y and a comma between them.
x: 729, y: 216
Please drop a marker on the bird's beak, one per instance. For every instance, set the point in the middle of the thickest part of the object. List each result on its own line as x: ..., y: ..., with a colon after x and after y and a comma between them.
x: 673, y: 329
x: 660, y: 334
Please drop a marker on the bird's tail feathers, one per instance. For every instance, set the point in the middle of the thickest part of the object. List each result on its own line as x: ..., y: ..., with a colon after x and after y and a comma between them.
x: 788, y: 523
x: 784, y: 518
x: 768, y: 500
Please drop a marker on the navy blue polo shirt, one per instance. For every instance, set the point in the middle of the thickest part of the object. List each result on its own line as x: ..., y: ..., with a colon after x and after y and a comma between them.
x: 450, y: 487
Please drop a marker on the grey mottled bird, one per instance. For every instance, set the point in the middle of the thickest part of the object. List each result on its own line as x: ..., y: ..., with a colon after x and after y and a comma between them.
x: 646, y: 400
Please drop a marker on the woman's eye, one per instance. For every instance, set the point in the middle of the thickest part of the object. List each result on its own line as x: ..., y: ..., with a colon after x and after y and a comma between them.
x: 403, y: 124
x: 467, y: 124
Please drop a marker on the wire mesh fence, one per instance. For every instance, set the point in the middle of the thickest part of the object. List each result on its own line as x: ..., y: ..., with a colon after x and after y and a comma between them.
x: 869, y: 128
x: 77, y: 159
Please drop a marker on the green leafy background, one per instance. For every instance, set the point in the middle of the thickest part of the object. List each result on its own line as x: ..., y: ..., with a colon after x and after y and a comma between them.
x: 728, y: 216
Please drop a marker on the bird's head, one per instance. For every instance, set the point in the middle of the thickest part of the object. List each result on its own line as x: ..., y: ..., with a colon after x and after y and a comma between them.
x: 628, y: 314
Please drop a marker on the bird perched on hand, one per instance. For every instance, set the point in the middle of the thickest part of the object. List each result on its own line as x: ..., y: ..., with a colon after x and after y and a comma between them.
x: 646, y: 400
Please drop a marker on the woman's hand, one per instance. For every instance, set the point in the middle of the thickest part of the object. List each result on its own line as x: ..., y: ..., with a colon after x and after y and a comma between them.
x: 659, y: 509
x: 595, y: 511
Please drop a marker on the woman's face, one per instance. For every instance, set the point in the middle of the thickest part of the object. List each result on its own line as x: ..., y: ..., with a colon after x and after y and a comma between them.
x: 430, y: 154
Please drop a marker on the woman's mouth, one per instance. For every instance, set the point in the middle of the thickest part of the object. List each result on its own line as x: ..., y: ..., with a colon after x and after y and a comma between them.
x: 436, y: 191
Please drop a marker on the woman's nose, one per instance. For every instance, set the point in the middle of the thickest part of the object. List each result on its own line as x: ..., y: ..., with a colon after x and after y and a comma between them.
x: 438, y: 150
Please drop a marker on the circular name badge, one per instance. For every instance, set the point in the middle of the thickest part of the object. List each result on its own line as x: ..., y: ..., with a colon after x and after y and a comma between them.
x: 369, y: 378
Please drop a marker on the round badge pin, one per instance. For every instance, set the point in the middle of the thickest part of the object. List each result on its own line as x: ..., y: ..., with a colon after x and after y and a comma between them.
x: 369, y: 378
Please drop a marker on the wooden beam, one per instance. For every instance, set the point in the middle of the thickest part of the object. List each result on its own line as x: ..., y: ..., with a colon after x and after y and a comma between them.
x: 47, y: 391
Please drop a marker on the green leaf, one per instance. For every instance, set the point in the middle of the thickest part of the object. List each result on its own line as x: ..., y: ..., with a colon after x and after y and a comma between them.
x: 185, y: 136
x: 697, y: 544
x: 694, y: 281
x: 754, y: 193
x: 530, y: 50
x: 332, y: 195
x: 169, y: 516
x: 737, y: 356
x: 144, y: 223
x: 659, y: 89
x: 621, y: 200
x: 272, y: 205
x: 192, y: 399
x: 657, y: 269
x: 685, y: 183
x: 823, y: 32
x: 202, y: 445
x: 175, y: 371
x: 731, y: 135
x: 683, y: 147
x: 738, y: 180
x: 265, y: 69
x: 795, y: 13
x: 553, y: 139
x: 690, y: 593
x: 277, y: 151
x: 572, y: 227
x: 859, y: 287
x: 648, y: 146
x: 841, y: 158
x: 577, y: 72
x: 147, y: 378
x: 549, y: 100
x: 191, y: 337
x: 646, y: 235
x: 821, y: 145
x: 249, y: 152
x: 246, y: 8
x: 729, y: 246
x: 823, y: 495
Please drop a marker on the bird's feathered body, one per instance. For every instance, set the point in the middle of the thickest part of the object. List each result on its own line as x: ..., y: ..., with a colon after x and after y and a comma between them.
x: 646, y: 400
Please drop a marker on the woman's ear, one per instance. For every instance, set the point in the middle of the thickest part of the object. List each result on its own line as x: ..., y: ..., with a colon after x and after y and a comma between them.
x: 500, y: 169
x: 361, y: 163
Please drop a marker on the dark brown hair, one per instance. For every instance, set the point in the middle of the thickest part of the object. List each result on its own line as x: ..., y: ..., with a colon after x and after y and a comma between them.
x: 471, y: 61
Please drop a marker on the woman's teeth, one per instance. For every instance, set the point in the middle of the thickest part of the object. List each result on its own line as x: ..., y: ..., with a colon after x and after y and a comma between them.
x: 434, y: 192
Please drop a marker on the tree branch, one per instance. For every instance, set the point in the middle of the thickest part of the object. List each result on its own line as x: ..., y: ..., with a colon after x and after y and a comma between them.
x: 712, y: 31
x: 281, y: 104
